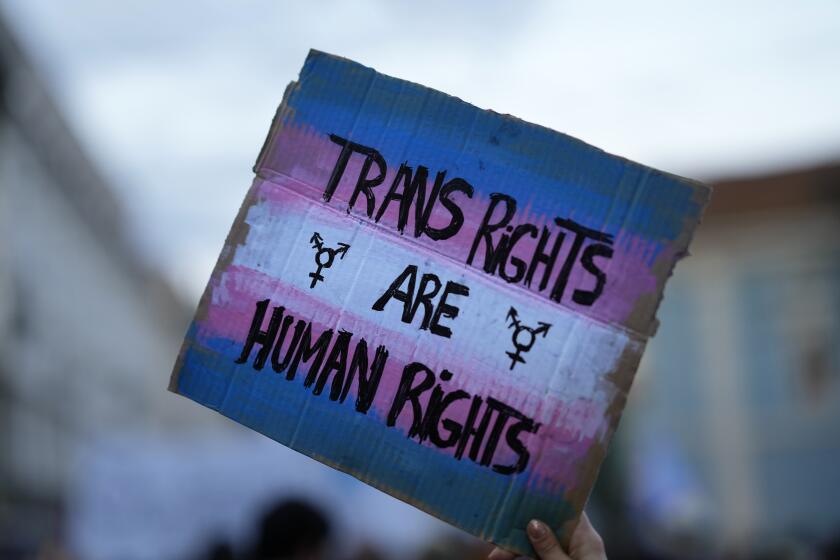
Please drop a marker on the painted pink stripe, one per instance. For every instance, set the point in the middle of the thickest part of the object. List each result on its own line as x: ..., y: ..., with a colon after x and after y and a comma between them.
x: 574, y: 426
x: 302, y: 161
x: 232, y: 308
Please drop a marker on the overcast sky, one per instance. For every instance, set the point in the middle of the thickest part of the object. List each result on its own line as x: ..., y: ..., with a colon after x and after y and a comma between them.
x: 173, y: 99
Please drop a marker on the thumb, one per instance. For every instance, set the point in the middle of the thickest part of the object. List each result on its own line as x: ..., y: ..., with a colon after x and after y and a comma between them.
x: 586, y: 543
x: 545, y: 542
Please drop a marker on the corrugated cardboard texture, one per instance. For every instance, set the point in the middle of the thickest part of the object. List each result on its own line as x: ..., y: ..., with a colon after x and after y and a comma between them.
x: 493, y: 399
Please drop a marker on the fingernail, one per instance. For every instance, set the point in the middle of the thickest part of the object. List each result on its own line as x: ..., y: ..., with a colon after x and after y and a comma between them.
x: 536, y: 529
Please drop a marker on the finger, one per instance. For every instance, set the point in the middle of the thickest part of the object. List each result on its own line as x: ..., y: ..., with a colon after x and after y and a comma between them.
x: 544, y: 541
x: 500, y: 554
x: 586, y: 543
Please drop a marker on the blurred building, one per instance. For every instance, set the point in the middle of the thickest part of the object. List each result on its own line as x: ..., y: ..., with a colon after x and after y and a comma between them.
x: 732, y: 437
x: 95, y: 454
x: 88, y: 334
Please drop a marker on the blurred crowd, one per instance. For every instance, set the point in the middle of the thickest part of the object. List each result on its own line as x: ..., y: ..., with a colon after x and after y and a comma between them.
x: 294, y: 529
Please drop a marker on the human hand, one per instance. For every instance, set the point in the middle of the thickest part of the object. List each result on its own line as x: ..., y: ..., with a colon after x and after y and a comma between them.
x: 586, y: 543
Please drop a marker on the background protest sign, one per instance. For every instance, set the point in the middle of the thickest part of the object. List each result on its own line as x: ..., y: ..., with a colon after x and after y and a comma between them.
x: 447, y: 303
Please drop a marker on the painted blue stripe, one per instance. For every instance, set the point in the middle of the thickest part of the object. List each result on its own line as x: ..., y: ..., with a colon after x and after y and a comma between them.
x: 459, y: 492
x: 556, y: 173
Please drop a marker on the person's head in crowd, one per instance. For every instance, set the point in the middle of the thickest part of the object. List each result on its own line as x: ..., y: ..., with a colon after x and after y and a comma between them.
x: 292, y: 530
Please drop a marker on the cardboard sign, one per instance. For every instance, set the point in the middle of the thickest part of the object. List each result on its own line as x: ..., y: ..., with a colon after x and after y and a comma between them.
x: 447, y: 303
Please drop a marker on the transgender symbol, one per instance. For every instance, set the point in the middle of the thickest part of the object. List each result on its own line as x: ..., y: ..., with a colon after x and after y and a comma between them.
x: 524, y: 337
x: 324, y: 256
